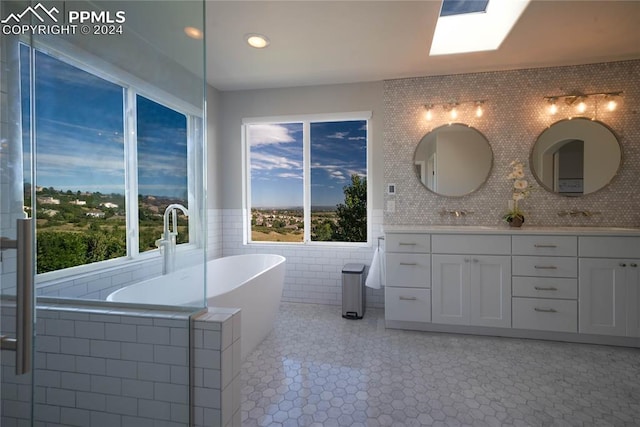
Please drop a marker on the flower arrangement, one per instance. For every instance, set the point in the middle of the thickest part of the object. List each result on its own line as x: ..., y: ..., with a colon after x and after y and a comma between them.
x: 520, y: 191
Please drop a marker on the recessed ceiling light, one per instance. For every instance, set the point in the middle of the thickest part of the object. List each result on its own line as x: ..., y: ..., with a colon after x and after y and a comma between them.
x: 193, y: 32
x: 257, y: 40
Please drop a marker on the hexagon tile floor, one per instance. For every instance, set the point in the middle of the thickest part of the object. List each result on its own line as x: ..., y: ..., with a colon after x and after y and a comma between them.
x: 318, y: 369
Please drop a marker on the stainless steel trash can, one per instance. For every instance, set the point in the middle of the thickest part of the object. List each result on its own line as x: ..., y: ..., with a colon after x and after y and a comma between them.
x: 353, y: 291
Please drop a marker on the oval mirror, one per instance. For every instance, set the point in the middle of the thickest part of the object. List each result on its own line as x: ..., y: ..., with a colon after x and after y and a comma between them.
x: 453, y: 160
x: 575, y: 157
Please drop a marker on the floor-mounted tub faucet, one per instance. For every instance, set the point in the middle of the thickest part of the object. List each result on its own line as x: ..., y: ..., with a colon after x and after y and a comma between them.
x: 167, y: 242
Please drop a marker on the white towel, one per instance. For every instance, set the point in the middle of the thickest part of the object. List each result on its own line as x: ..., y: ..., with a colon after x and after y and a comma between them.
x: 375, y: 278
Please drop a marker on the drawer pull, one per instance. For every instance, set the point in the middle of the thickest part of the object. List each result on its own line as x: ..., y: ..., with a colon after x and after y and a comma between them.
x: 408, y: 298
x: 550, y: 288
x: 545, y: 310
x: 546, y: 267
x: 633, y: 264
x: 544, y: 246
x: 409, y: 263
x: 622, y: 264
x: 406, y: 244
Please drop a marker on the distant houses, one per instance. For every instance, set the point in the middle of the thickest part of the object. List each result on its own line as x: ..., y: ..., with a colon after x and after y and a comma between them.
x: 48, y: 200
x: 78, y: 202
x: 109, y: 205
x: 95, y: 214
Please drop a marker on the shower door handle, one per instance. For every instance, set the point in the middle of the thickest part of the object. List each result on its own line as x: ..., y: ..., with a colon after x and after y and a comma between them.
x: 23, y: 343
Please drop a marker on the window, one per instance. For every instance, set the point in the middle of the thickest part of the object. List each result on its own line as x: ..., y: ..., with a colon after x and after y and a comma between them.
x: 100, y: 191
x: 307, y: 179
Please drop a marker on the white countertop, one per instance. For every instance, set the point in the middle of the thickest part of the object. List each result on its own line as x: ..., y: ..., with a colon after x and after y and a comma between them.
x: 492, y: 229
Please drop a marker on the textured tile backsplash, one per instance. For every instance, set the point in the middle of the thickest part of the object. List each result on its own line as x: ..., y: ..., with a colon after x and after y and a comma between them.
x: 515, y: 114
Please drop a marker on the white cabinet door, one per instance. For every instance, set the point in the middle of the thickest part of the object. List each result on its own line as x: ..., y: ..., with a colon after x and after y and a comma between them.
x: 490, y: 290
x: 633, y: 298
x: 602, y: 296
x: 450, y: 289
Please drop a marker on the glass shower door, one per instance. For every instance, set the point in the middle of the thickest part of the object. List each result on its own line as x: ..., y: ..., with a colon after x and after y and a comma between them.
x: 16, y: 245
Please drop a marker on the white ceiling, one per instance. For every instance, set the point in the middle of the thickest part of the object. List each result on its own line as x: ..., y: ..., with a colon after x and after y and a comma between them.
x: 329, y: 42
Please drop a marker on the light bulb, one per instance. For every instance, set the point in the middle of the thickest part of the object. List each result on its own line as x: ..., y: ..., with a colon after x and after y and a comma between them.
x: 428, y: 115
x: 611, y: 104
x: 454, y: 113
x: 553, y: 108
x: 582, y: 106
x: 479, y: 111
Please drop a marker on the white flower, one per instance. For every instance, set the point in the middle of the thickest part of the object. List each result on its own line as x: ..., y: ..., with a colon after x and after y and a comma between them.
x: 518, y: 173
x: 520, y: 184
x: 518, y: 196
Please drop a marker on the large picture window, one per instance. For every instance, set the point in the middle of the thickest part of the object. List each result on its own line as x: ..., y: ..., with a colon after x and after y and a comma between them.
x: 307, y: 179
x: 100, y: 189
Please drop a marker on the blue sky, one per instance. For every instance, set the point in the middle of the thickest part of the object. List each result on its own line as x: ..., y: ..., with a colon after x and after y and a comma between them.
x: 79, y: 134
x: 338, y: 150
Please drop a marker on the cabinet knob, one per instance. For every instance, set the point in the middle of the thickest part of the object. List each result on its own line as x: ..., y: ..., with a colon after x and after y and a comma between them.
x: 467, y: 260
x: 476, y: 260
x: 622, y: 264
x: 634, y: 264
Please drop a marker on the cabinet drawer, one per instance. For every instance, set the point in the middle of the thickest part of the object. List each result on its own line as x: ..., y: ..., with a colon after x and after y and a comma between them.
x: 545, y: 314
x: 609, y: 247
x: 545, y: 245
x: 408, y: 243
x: 545, y: 287
x: 407, y: 304
x: 545, y: 266
x: 471, y: 244
x: 408, y: 270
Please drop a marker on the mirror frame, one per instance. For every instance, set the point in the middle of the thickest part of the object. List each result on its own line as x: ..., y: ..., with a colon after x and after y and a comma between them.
x: 573, y: 119
x: 484, y: 181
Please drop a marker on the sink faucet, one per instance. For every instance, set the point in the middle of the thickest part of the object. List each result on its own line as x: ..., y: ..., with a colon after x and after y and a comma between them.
x: 167, y: 242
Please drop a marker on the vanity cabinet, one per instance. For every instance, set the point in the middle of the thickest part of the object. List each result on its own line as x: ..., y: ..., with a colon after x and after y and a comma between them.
x: 571, y: 286
x: 471, y: 285
x: 610, y: 286
x: 545, y: 283
x: 408, y: 277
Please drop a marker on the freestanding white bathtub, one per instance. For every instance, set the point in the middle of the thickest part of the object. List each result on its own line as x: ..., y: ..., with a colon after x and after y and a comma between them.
x: 251, y: 282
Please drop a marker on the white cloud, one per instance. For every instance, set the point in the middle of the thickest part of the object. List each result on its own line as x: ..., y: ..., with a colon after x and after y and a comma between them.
x: 263, y: 161
x: 357, y: 138
x: 338, y: 135
x: 267, y: 134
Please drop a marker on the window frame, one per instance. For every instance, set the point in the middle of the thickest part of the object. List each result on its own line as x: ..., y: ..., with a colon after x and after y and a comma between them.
x: 306, y: 120
x: 132, y: 87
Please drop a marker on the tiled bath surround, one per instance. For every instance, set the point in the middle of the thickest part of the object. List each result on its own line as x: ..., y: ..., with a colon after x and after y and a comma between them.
x: 108, y: 366
x: 515, y: 114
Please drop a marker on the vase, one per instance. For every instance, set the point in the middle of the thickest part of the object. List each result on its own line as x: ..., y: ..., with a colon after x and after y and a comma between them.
x: 516, y: 221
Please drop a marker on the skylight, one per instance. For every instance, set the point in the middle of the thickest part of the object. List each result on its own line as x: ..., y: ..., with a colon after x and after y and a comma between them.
x: 464, y: 32
x: 459, y: 7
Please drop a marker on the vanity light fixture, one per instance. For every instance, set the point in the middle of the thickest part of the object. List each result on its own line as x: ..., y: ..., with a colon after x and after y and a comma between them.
x: 580, y: 100
x: 452, y: 109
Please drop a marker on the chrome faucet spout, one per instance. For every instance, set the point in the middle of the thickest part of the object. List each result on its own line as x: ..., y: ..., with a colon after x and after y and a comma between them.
x: 167, y: 242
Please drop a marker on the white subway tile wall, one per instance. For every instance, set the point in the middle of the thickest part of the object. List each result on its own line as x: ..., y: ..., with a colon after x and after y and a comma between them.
x: 127, y: 367
x: 314, y: 272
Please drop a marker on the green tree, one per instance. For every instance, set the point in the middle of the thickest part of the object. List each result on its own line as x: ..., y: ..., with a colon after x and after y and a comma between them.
x: 352, y: 214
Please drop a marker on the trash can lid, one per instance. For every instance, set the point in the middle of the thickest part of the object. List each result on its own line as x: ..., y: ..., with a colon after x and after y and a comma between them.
x: 353, y: 268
